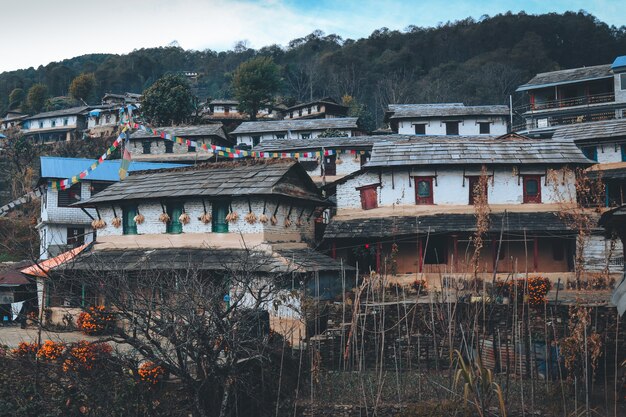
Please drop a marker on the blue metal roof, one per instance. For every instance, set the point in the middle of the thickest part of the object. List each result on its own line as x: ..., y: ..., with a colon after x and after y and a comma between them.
x: 57, y: 167
x: 619, y: 63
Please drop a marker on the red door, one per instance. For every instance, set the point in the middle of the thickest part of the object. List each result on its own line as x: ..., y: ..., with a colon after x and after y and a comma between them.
x: 424, y: 190
x: 532, y: 189
x: 369, y: 197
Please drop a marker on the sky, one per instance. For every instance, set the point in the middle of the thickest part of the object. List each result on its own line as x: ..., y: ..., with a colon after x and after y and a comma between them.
x: 36, y: 32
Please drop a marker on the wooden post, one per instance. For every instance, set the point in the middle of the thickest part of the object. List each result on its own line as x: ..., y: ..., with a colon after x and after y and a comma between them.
x: 535, y: 254
x: 455, y: 251
x: 378, y: 253
x: 421, y: 255
x: 494, y: 254
x: 333, y: 250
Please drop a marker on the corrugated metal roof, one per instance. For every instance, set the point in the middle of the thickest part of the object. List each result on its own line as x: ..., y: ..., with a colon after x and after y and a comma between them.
x: 228, y: 179
x: 592, y: 130
x: 466, y: 150
x: 568, y: 76
x: 296, y: 125
x: 58, y: 167
x: 401, y: 111
x: 619, y: 64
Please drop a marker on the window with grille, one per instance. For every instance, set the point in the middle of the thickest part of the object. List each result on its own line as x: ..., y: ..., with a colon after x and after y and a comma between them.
x: 69, y: 196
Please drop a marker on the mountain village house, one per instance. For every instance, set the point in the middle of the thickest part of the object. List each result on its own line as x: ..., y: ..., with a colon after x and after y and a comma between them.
x: 326, y: 108
x: 56, y: 126
x: 62, y: 226
x: 571, y: 96
x: 447, y: 119
x: 147, y: 147
x: 227, y: 110
x: 411, y: 209
x: 253, y: 133
x: 187, y: 224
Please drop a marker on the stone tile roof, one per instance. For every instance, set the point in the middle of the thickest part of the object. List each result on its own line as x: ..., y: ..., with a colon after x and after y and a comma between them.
x: 401, y: 111
x: 224, y: 101
x: 212, y: 129
x: 206, y: 259
x: 465, y: 150
x: 229, y: 179
x: 296, y: 125
x: 366, y: 142
x: 58, y: 113
x: 592, y: 131
x: 568, y: 76
x: 325, y: 100
x: 383, y: 227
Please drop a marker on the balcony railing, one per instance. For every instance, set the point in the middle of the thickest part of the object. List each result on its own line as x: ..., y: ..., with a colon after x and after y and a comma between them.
x: 568, y: 102
x: 547, y: 122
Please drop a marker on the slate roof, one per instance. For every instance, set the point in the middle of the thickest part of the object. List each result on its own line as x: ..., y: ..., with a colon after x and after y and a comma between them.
x: 296, y: 125
x: 58, y: 167
x: 592, y: 130
x: 401, y: 111
x: 467, y: 150
x: 276, y: 145
x: 568, y: 76
x: 205, y: 259
x: 224, y: 101
x: 383, y: 227
x: 228, y: 179
x: 214, y: 129
x: 325, y: 100
x: 58, y: 113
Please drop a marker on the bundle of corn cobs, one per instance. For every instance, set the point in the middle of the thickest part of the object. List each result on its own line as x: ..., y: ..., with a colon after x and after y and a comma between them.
x: 98, y: 224
x: 263, y: 219
x: 205, y: 218
x: 250, y: 218
x: 116, y: 222
x: 274, y: 220
x: 164, y: 218
x: 184, y: 218
x: 287, y: 222
x: 232, y: 217
x: 139, y: 219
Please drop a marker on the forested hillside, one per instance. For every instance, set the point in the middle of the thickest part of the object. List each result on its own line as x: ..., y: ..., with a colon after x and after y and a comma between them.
x: 476, y: 62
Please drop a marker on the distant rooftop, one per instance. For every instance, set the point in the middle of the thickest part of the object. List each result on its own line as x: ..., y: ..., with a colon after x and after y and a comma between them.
x: 477, y: 150
x: 64, y: 112
x: 296, y: 125
x: 619, y: 65
x: 53, y: 167
x: 592, y: 130
x: 278, y: 145
x: 325, y: 100
x: 568, y: 76
x: 400, y: 111
x: 213, y: 129
x: 224, y: 101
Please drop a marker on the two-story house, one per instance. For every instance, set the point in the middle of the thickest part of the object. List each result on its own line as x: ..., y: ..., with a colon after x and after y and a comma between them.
x: 326, y: 108
x: 413, y: 208
x: 12, y: 119
x: 62, y: 226
x: 56, y: 126
x: 208, y: 219
x: 225, y: 110
x: 253, y: 133
x: 103, y: 120
x: 447, y: 119
x: 572, y: 96
x: 145, y: 146
x: 121, y: 99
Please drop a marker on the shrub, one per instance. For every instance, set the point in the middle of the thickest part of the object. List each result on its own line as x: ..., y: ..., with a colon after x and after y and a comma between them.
x: 95, y: 321
x: 150, y: 372
x: 419, y: 285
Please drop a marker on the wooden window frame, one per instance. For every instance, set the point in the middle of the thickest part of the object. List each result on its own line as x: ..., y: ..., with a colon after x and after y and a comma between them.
x: 146, y: 146
x: 329, y: 168
x: 64, y: 197
x: 77, y: 239
x: 425, y: 201
x: 169, y: 146
x: 536, y: 199
x: 450, y: 123
x: 363, y: 190
x: 422, y: 126
x: 482, y: 125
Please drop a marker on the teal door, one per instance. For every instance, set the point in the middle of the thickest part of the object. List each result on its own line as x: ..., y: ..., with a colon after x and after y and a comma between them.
x: 174, y: 226
x: 219, y: 213
x: 129, y: 227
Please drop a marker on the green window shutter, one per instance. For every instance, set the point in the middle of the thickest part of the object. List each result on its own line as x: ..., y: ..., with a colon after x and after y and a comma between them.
x: 219, y: 212
x: 174, y: 226
x: 129, y: 227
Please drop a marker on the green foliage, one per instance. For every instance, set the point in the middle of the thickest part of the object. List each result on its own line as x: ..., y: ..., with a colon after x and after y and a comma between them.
x: 16, y: 98
x: 36, y: 97
x: 333, y: 133
x: 83, y: 87
x: 168, y: 101
x: 255, y: 82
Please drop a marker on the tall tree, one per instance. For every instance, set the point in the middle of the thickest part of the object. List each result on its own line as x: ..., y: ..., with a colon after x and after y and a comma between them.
x: 16, y: 98
x: 83, y: 87
x: 255, y: 82
x: 36, y: 97
x: 168, y: 101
